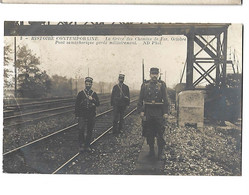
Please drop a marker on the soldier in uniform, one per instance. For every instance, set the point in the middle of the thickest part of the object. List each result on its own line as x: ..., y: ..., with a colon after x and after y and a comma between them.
x: 153, y: 106
x: 85, y: 109
x: 120, y: 99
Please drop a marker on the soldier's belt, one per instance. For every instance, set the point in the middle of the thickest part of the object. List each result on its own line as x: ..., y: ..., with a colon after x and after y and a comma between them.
x: 153, y: 103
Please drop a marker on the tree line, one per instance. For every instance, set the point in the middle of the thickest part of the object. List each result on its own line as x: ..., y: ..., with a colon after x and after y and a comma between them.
x: 32, y: 82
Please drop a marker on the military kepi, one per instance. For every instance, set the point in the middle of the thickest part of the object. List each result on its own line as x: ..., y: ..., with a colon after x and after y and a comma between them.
x: 89, y: 79
x: 154, y: 70
x: 121, y: 76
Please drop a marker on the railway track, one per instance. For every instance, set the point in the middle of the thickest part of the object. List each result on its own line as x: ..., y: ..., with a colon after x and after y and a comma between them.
x: 25, y: 118
x: 13, y: 110
x: 93, y: 142
x: 35, y: 107
x: 37, y: 103
x: 42, y: 102
x: 46, y: 154
x: 8, y: 102
x: 29, y: 117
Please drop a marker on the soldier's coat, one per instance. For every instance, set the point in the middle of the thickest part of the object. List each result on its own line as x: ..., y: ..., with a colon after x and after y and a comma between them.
x: 85, y: 107
x: 153, y: 101
x: 153, y: 92
x: 117, y: 97
x: 120, y: 99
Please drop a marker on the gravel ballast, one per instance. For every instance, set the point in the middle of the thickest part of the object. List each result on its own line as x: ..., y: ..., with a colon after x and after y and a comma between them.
x: 211, y: 151
x: 112, y: 154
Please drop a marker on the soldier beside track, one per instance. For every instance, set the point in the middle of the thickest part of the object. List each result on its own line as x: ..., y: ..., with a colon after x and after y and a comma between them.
x: 85, y: 109
x: 120, y: 99
x: 153, y: 106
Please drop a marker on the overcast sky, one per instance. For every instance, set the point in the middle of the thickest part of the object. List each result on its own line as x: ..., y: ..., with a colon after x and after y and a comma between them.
x: 106, y: 62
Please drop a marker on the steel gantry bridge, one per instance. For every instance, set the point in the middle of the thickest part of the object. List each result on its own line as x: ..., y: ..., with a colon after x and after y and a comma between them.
x: 206, y: 43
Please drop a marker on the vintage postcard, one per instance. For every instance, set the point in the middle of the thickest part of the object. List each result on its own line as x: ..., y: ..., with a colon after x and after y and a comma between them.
x: 203, y: 2
x: 122, y: 98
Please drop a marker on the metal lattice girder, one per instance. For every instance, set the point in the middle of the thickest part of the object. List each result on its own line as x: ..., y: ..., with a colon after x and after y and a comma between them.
x: 190, y: 60
x: 224, y: 58
x: 208, y: 43
x: 204, y: 46
x: 204, y: 75
x: 218, y: 45
x: 208, y: 55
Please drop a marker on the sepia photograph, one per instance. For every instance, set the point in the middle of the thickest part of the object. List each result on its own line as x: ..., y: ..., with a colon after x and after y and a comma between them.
x: 122, y: 98
x: 167, y: 2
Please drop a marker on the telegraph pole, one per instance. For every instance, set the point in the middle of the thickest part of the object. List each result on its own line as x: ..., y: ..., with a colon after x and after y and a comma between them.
x: 76, y: 78
x: 143, y: 70
x: 15, y: 93
x: 71, y: 84
x: 88, y: 72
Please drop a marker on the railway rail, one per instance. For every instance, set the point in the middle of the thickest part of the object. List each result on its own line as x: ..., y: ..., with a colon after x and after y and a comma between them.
x: 39, y: 146
x: 37, y: 103
x: 57, y: 153
x: 47, y: 112
x: 14, y: 110
x: 44, y: 111
x: 93, y: 142
x: 59, y: 131
x: 9, y: 101
x: 41, y: 104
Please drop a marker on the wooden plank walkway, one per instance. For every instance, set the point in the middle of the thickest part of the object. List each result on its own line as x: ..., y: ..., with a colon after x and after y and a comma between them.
x: 147, y: 165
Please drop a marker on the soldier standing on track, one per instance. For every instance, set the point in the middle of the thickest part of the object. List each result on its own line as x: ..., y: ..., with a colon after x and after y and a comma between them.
x: 85, y: 109
x: 120, y: 99
x: 153, y: 106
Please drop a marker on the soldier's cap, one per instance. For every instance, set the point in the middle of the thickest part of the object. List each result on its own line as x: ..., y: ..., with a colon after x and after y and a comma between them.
x: 154, y: 70
x: 121, y: 76
x: 89, y: 79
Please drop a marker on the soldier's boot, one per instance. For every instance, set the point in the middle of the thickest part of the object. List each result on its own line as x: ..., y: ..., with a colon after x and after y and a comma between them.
x: 82, y: 145
x: 160, y: 152
x: 152, y: 151
x: 120, y: 128
x: 115, y: 128
x: 87, y: 147
x: 160, y: 146
x: 121, y: 124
